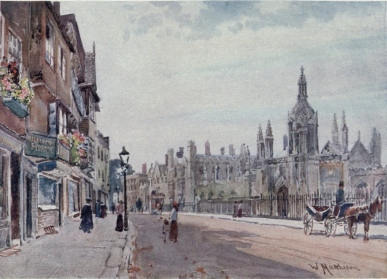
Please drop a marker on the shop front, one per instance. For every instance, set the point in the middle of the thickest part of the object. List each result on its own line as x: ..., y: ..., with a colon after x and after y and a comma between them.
x: 10, y: 150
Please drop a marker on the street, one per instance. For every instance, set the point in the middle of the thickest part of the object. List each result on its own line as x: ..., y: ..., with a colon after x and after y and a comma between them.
x: 214, y: 248
x: 71, y: 253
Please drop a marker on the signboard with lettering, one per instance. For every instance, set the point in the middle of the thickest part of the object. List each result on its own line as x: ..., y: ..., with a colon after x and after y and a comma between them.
x: 40, y: 146
x: 10, y: 143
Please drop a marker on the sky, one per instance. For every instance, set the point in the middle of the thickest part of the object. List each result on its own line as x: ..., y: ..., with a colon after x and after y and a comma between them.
x: 170, y: 72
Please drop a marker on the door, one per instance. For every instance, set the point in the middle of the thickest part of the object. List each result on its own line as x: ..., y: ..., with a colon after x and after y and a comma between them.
x: 15, y: 196
x: 29, y: 208
x: 71, y: 200
x: 60, y: 202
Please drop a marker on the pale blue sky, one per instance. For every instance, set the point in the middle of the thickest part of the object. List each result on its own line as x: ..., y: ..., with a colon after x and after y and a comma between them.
x: 169, y: 72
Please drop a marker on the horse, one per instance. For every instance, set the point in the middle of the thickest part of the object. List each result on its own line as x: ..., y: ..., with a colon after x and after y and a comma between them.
x: 363, y: 214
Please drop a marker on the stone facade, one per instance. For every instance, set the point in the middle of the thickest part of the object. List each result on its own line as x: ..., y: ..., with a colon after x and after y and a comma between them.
x: 299, y: 168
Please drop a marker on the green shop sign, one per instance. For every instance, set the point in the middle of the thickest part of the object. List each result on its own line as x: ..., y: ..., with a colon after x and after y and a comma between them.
x: 40, y: 146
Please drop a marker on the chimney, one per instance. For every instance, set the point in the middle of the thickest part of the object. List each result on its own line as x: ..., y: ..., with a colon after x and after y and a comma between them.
x: 222, y: 151
x: 144, y: 168
x: 166, y: 159
x: 56, y: 6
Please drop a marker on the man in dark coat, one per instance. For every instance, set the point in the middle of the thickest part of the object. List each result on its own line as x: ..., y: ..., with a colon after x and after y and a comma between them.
x: 340, y: 193
x: 87, y: 217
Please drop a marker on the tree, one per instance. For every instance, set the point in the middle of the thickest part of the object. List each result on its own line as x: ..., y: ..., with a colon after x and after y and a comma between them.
x: 115, y: 174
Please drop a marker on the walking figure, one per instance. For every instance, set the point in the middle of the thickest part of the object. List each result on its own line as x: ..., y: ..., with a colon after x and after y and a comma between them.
x: 173, y: 233
x: 87, y: 217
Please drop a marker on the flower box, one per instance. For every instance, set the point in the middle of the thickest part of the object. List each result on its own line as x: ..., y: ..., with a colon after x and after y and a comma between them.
x: 18, y: 108
x: 63, y: 152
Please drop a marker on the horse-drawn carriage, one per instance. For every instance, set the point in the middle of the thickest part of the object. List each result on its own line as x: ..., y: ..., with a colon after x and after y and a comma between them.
x: 315, y: 214
x: 346, y: 214
x: 329, y: 216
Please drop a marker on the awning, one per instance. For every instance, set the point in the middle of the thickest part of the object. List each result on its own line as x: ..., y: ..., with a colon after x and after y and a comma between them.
x: 55, y: 174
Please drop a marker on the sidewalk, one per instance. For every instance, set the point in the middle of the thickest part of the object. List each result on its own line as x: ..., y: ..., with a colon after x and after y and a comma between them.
x: 71, y: 253
x: 375, y: 229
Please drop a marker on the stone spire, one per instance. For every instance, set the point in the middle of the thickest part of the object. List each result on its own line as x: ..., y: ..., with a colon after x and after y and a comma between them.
x: 344, y: 135
x: 302, y: 92
x: 260, y: 144
x: 269, y: 141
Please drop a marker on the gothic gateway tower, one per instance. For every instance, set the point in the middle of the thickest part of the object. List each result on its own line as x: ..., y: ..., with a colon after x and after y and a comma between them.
x: 303, y: 123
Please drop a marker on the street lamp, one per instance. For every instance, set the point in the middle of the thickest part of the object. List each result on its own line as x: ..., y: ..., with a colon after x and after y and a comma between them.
x: 124, y: 156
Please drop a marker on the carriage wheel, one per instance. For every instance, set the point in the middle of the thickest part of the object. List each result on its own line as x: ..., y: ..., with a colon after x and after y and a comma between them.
x: 354, y: 228
x: 328, y: 224
x: 308, y: 224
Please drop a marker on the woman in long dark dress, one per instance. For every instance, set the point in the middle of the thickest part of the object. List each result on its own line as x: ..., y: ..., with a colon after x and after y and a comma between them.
x: 87, y: 217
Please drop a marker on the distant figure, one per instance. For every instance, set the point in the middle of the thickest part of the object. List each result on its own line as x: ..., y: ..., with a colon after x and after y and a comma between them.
x: 239, y: 215
x: 98, y: 209
x: 235, y: 209
x: 87, y: 217
x: 113, y: 207
x: 161, y: 208
x: 120, y: 220
x: 120, y: 207
x: 139, y: 205
x: 173, y: 232
x: 103, y: 210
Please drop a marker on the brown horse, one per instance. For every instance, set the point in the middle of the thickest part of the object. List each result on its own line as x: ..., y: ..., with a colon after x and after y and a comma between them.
x: 363, y: 214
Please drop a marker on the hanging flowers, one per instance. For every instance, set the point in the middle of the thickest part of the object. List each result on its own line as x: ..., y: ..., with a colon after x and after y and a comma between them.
x: 77, y: 144
x: 11, y: 87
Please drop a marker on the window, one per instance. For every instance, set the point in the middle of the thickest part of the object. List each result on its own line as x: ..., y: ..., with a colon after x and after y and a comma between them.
x: 92, y: 110
x: 62, y: 63
x: 14, y: 55
x: 98, y: 152
x: 50, y: 44
x: 52, y: 119
x: 62, y: 122
x: 47, y: 191
x: 1, y: 35
x: 103, y: 177
x: 2, y: 192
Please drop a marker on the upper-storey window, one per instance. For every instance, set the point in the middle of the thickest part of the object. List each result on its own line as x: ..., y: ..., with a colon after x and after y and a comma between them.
x: 1, y: 35
x: 62, y: 122
x: 92, y: 110
x: 62, y: 63
x: 14, y: 49
x: 50, y: 43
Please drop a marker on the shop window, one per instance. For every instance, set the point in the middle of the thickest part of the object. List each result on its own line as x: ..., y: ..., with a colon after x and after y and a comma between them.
x: 47, y: 191
x: 50, y: 43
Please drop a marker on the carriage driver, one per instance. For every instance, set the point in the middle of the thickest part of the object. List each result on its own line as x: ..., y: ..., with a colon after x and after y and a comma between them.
x: 340, y: 193
x: 339, y: 198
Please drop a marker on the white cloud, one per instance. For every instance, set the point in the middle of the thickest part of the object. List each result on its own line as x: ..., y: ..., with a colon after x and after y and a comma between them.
x: 165, y: 88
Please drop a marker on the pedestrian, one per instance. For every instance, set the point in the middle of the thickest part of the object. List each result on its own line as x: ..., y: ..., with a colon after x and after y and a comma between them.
x: 98, y: 209
x: 173, y: 232
x: 113, y: 207
x: 120, y: 220
x: 340, y: 193
x: 235, y: 208
x: 103, y: 210
x: 87, y: 217
x: 240, y: 210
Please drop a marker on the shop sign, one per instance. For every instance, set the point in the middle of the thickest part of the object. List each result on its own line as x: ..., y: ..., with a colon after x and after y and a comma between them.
x: 40, y: 146
x: 9, y: 143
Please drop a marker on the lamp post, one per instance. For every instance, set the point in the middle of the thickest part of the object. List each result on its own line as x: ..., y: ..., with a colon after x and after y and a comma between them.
x: 124, y: 156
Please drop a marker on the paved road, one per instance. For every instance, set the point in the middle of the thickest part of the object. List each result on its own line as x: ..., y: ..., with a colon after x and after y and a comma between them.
x: 200, y: 253
x: 70, y: 254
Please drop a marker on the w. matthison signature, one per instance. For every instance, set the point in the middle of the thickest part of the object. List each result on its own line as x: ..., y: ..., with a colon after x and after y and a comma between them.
x: 329, y: 268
